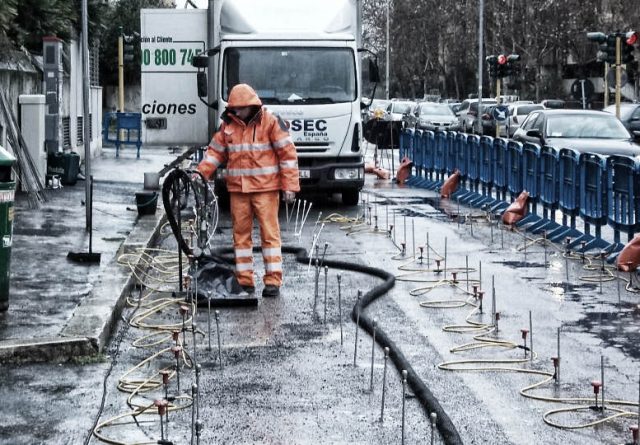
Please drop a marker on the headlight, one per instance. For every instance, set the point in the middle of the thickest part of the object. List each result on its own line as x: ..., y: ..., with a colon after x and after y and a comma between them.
x: 348, y: 173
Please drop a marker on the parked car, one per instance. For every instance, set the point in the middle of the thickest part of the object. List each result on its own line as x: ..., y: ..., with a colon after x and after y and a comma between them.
x: 468, y: 113
x: 517, y: 114
x: 431, y: 116
x: 629, y: 115
x: 396, y: 109
x: 581, y: 130
x: 553, y: 104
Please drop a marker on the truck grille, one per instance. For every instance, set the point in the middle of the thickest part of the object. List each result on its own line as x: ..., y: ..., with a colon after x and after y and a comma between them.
x: 311, y: 147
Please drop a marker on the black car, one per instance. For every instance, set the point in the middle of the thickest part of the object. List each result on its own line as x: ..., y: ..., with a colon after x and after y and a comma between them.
x: 582, y: 130
x: 629, y: 115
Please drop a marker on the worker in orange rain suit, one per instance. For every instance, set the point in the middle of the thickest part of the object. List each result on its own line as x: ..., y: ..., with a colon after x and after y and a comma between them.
x: 261, y: 161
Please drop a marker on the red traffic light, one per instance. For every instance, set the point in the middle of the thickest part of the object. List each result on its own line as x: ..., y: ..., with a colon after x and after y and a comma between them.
x: 502, y: 59
x: 632, y: 37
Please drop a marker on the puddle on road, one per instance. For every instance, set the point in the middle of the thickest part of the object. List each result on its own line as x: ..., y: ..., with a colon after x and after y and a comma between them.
x: 519, y: 264
x: 619, y: 329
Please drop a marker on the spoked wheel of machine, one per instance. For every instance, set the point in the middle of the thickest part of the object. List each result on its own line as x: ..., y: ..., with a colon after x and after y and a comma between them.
x: 350, y: 197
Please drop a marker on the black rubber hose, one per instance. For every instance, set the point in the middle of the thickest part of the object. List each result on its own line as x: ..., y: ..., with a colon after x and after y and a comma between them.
x: 176, y: 179
x: 428, y: 401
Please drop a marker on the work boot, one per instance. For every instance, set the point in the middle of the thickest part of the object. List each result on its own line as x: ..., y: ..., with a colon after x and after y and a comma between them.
x: 271, y: 291
x: 249, y: 289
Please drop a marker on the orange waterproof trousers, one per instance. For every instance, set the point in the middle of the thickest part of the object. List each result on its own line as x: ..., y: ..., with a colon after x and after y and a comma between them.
x: 264, y: 205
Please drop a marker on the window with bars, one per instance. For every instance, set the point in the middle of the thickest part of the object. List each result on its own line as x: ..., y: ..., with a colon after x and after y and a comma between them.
x: 80, y: 129
x: 94, y: 66
x: 66, y: 132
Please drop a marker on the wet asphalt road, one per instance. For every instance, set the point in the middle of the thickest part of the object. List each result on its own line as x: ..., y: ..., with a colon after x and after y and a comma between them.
x: 287, y: 378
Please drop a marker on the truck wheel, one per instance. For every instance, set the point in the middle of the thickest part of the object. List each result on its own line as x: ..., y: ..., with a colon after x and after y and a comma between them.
x: 351, y: 197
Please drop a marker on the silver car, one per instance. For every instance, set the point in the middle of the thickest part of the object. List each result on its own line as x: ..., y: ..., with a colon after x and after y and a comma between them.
x: 432, y: 116
x: 468, y: 113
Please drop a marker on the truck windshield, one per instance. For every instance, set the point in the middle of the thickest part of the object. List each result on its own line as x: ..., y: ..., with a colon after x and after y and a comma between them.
x: 292, y: 75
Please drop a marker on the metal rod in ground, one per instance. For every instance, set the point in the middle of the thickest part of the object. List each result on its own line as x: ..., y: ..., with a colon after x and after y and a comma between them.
x: 198, y: 371
x: 480, y: 275
x: 602, y: 255
x: 355, y: 348
x: 404, y: 393
x: 326, y: 272
x: 427, y: 249
x: 194, y: 359
x: 434, y: 421
x: 491, y: 226
x: 558, y: 353
x: 566, y: 264
x: 445, y: 257
x: 198, y: 431
x: 493, y: 297
x: 602, y: 379
x: 466, y: 264
x: 373, y: 352
x: 530, y: 337
x: 194, y: 395
x: 217, y: 313
x: 384, y: 382
x: 618, y: 285
x: 316, y: 286
x: 501, y: 236
x: 404, y: 224
x: 544, y: 243
x: 209, y: 321
x: 638, y: 400
x: 340, y: 308
x: 413, y: 236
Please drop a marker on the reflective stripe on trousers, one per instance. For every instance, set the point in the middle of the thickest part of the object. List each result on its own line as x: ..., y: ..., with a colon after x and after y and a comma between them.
x: 264, y: 206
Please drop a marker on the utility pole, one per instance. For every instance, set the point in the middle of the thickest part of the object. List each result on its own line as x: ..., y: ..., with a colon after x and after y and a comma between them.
x: 388, y: 51
x: 86, y: 120
x: 480, y: 52
x: 121, y: 71
x: 618, y: 73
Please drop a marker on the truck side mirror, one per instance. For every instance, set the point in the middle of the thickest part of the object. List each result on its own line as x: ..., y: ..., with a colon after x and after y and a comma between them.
x: 200, y: 61
x: 374, y: 74
x: 202, y: 84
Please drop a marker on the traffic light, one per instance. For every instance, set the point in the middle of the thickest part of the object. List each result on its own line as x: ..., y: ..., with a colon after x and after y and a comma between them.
x: 502, y: 66
x: 607, y: 47
x: 629, y: 41
x: 492, y: 63
x: 512, y: 68
x: 128, y: 48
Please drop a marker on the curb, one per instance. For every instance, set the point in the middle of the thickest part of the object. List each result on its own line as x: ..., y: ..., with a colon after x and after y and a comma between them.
x: 88, y: 330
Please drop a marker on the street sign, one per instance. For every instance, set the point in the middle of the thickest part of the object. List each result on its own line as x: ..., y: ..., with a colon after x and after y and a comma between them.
x: 500, y: 113
x: 611, y: 77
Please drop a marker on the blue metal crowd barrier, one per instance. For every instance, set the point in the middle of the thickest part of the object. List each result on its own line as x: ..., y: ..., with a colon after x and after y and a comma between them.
x: 601, y: 190
x: 547, y: 187
x: 623, y: 205
x: 439, y: 155
x: 486, y: 164
x: 500, y: 178
x: 513, y: 170
x: 451, y: 152
x: 472, y: 154
x: 405, y: 147
x: 530, y: 174
x: 125, y: 125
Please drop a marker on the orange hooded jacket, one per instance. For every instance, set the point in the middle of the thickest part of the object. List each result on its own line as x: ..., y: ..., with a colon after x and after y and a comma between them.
x: 260, y: 155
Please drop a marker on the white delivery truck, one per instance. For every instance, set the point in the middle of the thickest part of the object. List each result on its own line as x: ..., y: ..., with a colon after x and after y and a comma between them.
x: 302, y: 57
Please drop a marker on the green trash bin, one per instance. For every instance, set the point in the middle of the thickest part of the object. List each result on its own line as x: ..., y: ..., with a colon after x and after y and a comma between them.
x: 7, y: 197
